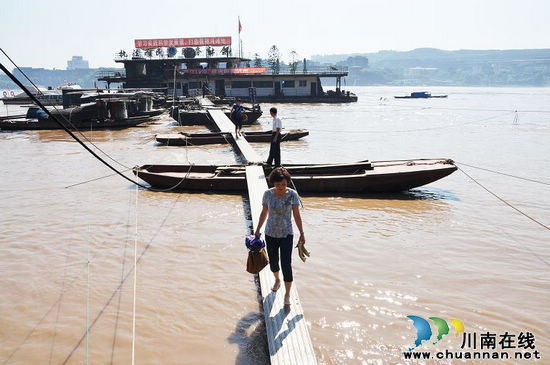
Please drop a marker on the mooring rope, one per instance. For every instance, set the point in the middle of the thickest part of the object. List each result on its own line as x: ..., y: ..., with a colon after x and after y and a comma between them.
x: 95, y: 179
x: 62, y: 293
x: 57, y: 110
x: 417, y: 129
x: 54, y: 304
x: 135, y: 277
x: 123, y: 269
x: 504, y: 201
x: 88, y: 261
x: 299, y: 197
x: 503, y: 173
x: 523, y: 246
x: 119, y: 287
x: 37, y: 102
x: 88, y: 298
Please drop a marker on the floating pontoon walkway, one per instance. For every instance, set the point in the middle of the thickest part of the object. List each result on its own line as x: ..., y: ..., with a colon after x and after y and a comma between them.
x: 287, y: 331
x: 226, y: 126
x: 205, y: 102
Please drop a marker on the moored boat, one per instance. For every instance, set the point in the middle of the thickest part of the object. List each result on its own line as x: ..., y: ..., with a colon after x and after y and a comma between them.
x: 361, y: 177
x: 47, y: 96
x: 48, y: 124
x: 112, y: 114
x: 195, y: 139
x: 189, y: 117
x: 420, y: 95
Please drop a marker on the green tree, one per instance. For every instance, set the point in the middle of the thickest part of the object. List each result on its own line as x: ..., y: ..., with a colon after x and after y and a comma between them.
x: 273, y: 59
x: 257, y: 60
x: 293, y: 63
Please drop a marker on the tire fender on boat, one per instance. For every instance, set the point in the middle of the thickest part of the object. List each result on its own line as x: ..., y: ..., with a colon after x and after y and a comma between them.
x: 5, y: 93
x: 11, y: 93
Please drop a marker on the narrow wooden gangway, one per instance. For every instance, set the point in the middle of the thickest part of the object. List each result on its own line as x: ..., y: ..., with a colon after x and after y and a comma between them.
x: 226, y: 126
x: 205, y: 102
x: 287, y: 332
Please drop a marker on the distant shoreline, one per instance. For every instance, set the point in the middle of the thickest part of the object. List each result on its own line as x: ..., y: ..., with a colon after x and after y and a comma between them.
x: 421, y: 66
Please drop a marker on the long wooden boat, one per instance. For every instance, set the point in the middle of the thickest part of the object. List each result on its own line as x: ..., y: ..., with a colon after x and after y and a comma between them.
x: 13, y: 116
x: 195, y: 139
x: 110, y: 115
x: 360, y: 177
x: 83, y: 125
x: 150, y: 113
x: 201, y: 116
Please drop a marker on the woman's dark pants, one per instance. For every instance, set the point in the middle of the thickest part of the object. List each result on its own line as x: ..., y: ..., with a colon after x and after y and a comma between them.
x: 285, y: 244
x: 238, y: 122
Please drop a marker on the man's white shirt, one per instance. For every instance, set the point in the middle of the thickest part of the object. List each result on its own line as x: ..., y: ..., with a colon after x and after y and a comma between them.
x: 277, y: 124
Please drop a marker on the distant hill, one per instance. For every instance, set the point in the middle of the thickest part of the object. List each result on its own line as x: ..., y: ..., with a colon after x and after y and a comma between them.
x: 421, y: 66
x: 430, y: 66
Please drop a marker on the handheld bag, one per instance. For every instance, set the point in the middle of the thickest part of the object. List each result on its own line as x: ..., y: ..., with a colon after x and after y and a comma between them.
x: 257, y: 257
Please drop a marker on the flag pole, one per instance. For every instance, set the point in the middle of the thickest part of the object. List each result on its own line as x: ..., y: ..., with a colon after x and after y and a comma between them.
x: 239, y: 29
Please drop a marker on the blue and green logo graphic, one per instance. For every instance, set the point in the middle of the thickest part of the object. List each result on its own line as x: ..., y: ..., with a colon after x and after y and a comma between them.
x: 424, y: 331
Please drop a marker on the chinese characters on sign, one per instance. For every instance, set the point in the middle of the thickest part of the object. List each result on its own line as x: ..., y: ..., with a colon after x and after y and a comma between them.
x: 183, y: 42
x: 225, y: 71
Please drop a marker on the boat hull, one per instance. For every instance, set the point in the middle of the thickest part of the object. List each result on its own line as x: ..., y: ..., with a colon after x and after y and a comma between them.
x: 196, y: 139
x: 375, y: 177
x: 25, y: 100
x: 420, y: 97
x: 49, y: 124
x: 201, y: 117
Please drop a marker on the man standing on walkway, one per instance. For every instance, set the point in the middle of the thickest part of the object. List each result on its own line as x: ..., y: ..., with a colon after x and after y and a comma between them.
x: 275, y: 148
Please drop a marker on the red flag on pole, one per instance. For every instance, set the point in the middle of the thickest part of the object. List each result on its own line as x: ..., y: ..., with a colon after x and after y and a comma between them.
x: 240, y: 26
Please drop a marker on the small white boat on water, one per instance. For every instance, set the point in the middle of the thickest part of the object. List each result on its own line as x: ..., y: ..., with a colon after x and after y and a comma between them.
x: 47, y: 96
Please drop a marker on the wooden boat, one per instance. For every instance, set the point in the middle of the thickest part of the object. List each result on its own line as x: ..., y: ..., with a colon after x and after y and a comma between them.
x: 110, y: 115
x: 83, y: 125
x: 360, y: 177
x: 420, y: 95
x: 47, y: 96
x: 201, y: 116
x: 151, y: 113
x: 13, y: 116
x: 195, y: 139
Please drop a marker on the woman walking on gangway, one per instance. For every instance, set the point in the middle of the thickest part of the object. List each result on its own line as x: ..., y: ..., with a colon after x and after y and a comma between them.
x: 279, y: 203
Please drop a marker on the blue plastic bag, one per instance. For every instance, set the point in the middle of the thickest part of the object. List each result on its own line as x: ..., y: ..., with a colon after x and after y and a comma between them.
x: 253, y: 243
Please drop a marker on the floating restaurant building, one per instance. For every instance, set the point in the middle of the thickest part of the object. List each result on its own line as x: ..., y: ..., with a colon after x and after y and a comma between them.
x: 155, y: 63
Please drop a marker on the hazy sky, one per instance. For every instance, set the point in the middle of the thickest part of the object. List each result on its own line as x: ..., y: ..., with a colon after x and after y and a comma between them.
x: 47, y: 33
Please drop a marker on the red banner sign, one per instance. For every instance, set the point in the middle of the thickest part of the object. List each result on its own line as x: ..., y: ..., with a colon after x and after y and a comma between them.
x: 183, y: 42
x: 225, y: 71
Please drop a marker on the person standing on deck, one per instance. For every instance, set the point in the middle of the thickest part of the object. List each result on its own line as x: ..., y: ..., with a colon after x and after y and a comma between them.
x: 278, y: 204
x: 236, y: 116
x: 275, y: 148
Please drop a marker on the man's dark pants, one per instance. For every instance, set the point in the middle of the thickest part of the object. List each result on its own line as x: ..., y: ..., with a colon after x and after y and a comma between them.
x: 275, y: 151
